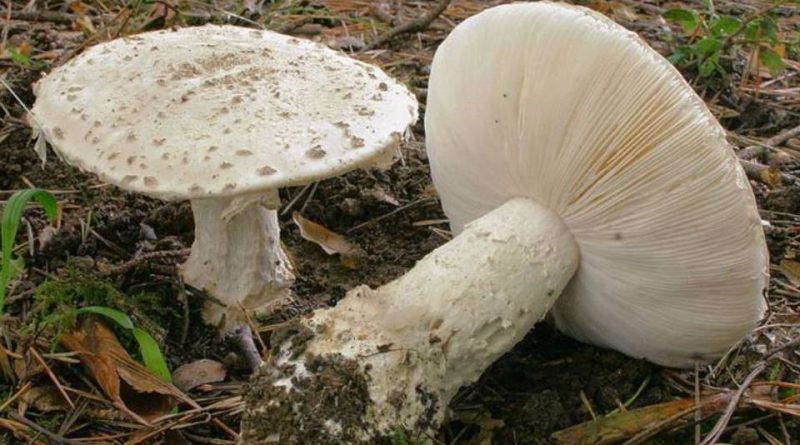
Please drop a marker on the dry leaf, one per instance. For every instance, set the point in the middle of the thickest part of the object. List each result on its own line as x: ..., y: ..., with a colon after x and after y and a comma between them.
x: 771, y: 176
x: 45, y: 399
x: 77, y: 7
x: 622, y: 11
x: 381, y: 195
x: 130, y: 386
x: 26, y: 367
x: 25, y: 48
x: 200, y: 372
x: 791, y: 269
x: 331, y: 242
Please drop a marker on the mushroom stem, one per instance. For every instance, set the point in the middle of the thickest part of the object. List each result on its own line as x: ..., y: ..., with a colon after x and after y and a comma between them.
x: 237, y: 257
x: 393, y: 357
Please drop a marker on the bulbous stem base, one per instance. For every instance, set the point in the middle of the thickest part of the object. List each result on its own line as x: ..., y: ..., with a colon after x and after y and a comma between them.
x: 393, y: 357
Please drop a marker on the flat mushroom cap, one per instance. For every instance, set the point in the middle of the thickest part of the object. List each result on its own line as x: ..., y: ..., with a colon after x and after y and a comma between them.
x: 564, y: 106
x: 219, y: 111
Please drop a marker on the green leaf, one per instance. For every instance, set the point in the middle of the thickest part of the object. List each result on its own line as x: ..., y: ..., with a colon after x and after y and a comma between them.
x: 724, y: 26
x: 707, y: 46
x: 118, y: 317
x: 9, y: 226
x: 680, y: 54
x: 708, y: 67
x: 18, y: 57
x: 771, y: 60
x: 688, y: 19
x: 752, y: 30
x: 17, y: 266
x: 151, y: 355
x: 148, y: 347
x: 769, y: 29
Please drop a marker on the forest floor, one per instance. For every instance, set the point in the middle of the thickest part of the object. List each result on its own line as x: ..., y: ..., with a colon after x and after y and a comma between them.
x: 120, y: 250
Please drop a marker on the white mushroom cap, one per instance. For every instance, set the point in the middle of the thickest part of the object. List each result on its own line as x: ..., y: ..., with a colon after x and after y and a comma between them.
x: 219, y: 111
x: 561, y: 105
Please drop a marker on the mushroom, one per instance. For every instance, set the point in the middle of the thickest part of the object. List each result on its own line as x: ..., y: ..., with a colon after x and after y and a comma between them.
x: 222, y: 116
x: 582, y: 177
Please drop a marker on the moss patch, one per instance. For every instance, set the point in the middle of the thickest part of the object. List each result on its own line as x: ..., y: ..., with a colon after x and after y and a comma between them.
x: 56, y: 303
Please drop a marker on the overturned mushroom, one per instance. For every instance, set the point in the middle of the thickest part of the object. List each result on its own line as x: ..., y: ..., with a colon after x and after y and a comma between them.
x: 582, y: 176
x: 223, y: 116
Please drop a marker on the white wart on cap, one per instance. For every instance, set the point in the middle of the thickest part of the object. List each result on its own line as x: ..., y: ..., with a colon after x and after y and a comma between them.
x: 216, y: 113
x: 578, y: 169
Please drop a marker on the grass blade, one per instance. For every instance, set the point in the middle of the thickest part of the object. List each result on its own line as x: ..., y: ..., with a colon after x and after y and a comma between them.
x: 10, y: 225
x: 151, y: 355
x: 118, y: 317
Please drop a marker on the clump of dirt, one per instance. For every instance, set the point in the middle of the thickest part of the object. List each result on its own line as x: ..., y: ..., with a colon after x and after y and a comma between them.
x: 281, y: 397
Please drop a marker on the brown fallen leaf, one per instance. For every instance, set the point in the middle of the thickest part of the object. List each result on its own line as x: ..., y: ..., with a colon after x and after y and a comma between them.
x: 200, y: 372
x: 791, y: 269
x: 771, y: 176
x: 128, y: 384
x: 331, y: 242
x: 45, y: 399
x: 381, y: 195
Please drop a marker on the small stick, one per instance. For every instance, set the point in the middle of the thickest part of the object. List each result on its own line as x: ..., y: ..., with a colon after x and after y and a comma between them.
x: 294, y: 199
x: 749, y: 152
x: 723, y: 421
x: 766, y: 174
x: 587, y: 404
x: 381, y: 14
x: 159, y: 254
x: 42, y: 16
x: 386, y: 215
x: 54, y: 438
x: 415, y: 25
x: 310, y: 196
x: 657, y: 428
x: 698, y: 413
x: 253, y: 331
x: 11, y: 399
x: 52, y: 377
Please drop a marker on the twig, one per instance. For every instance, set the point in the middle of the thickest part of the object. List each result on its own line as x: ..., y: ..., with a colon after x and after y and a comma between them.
x: 310, y: 196
x: 386, y: 215
x: 130, y: 264
x: 11, y: 399
x: 766, y: 174
x: 698, y: 413
x: 783, y: 136
x: 54, y: 438
x: 751, y: 151
x: 41, y: 16
x: 294, y: 199
x: 52, y: 377
x: 723, y: 421
x: 415, y: 25
x: 648, y: 433
x: 381, y: 14
x: 587, y: 404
